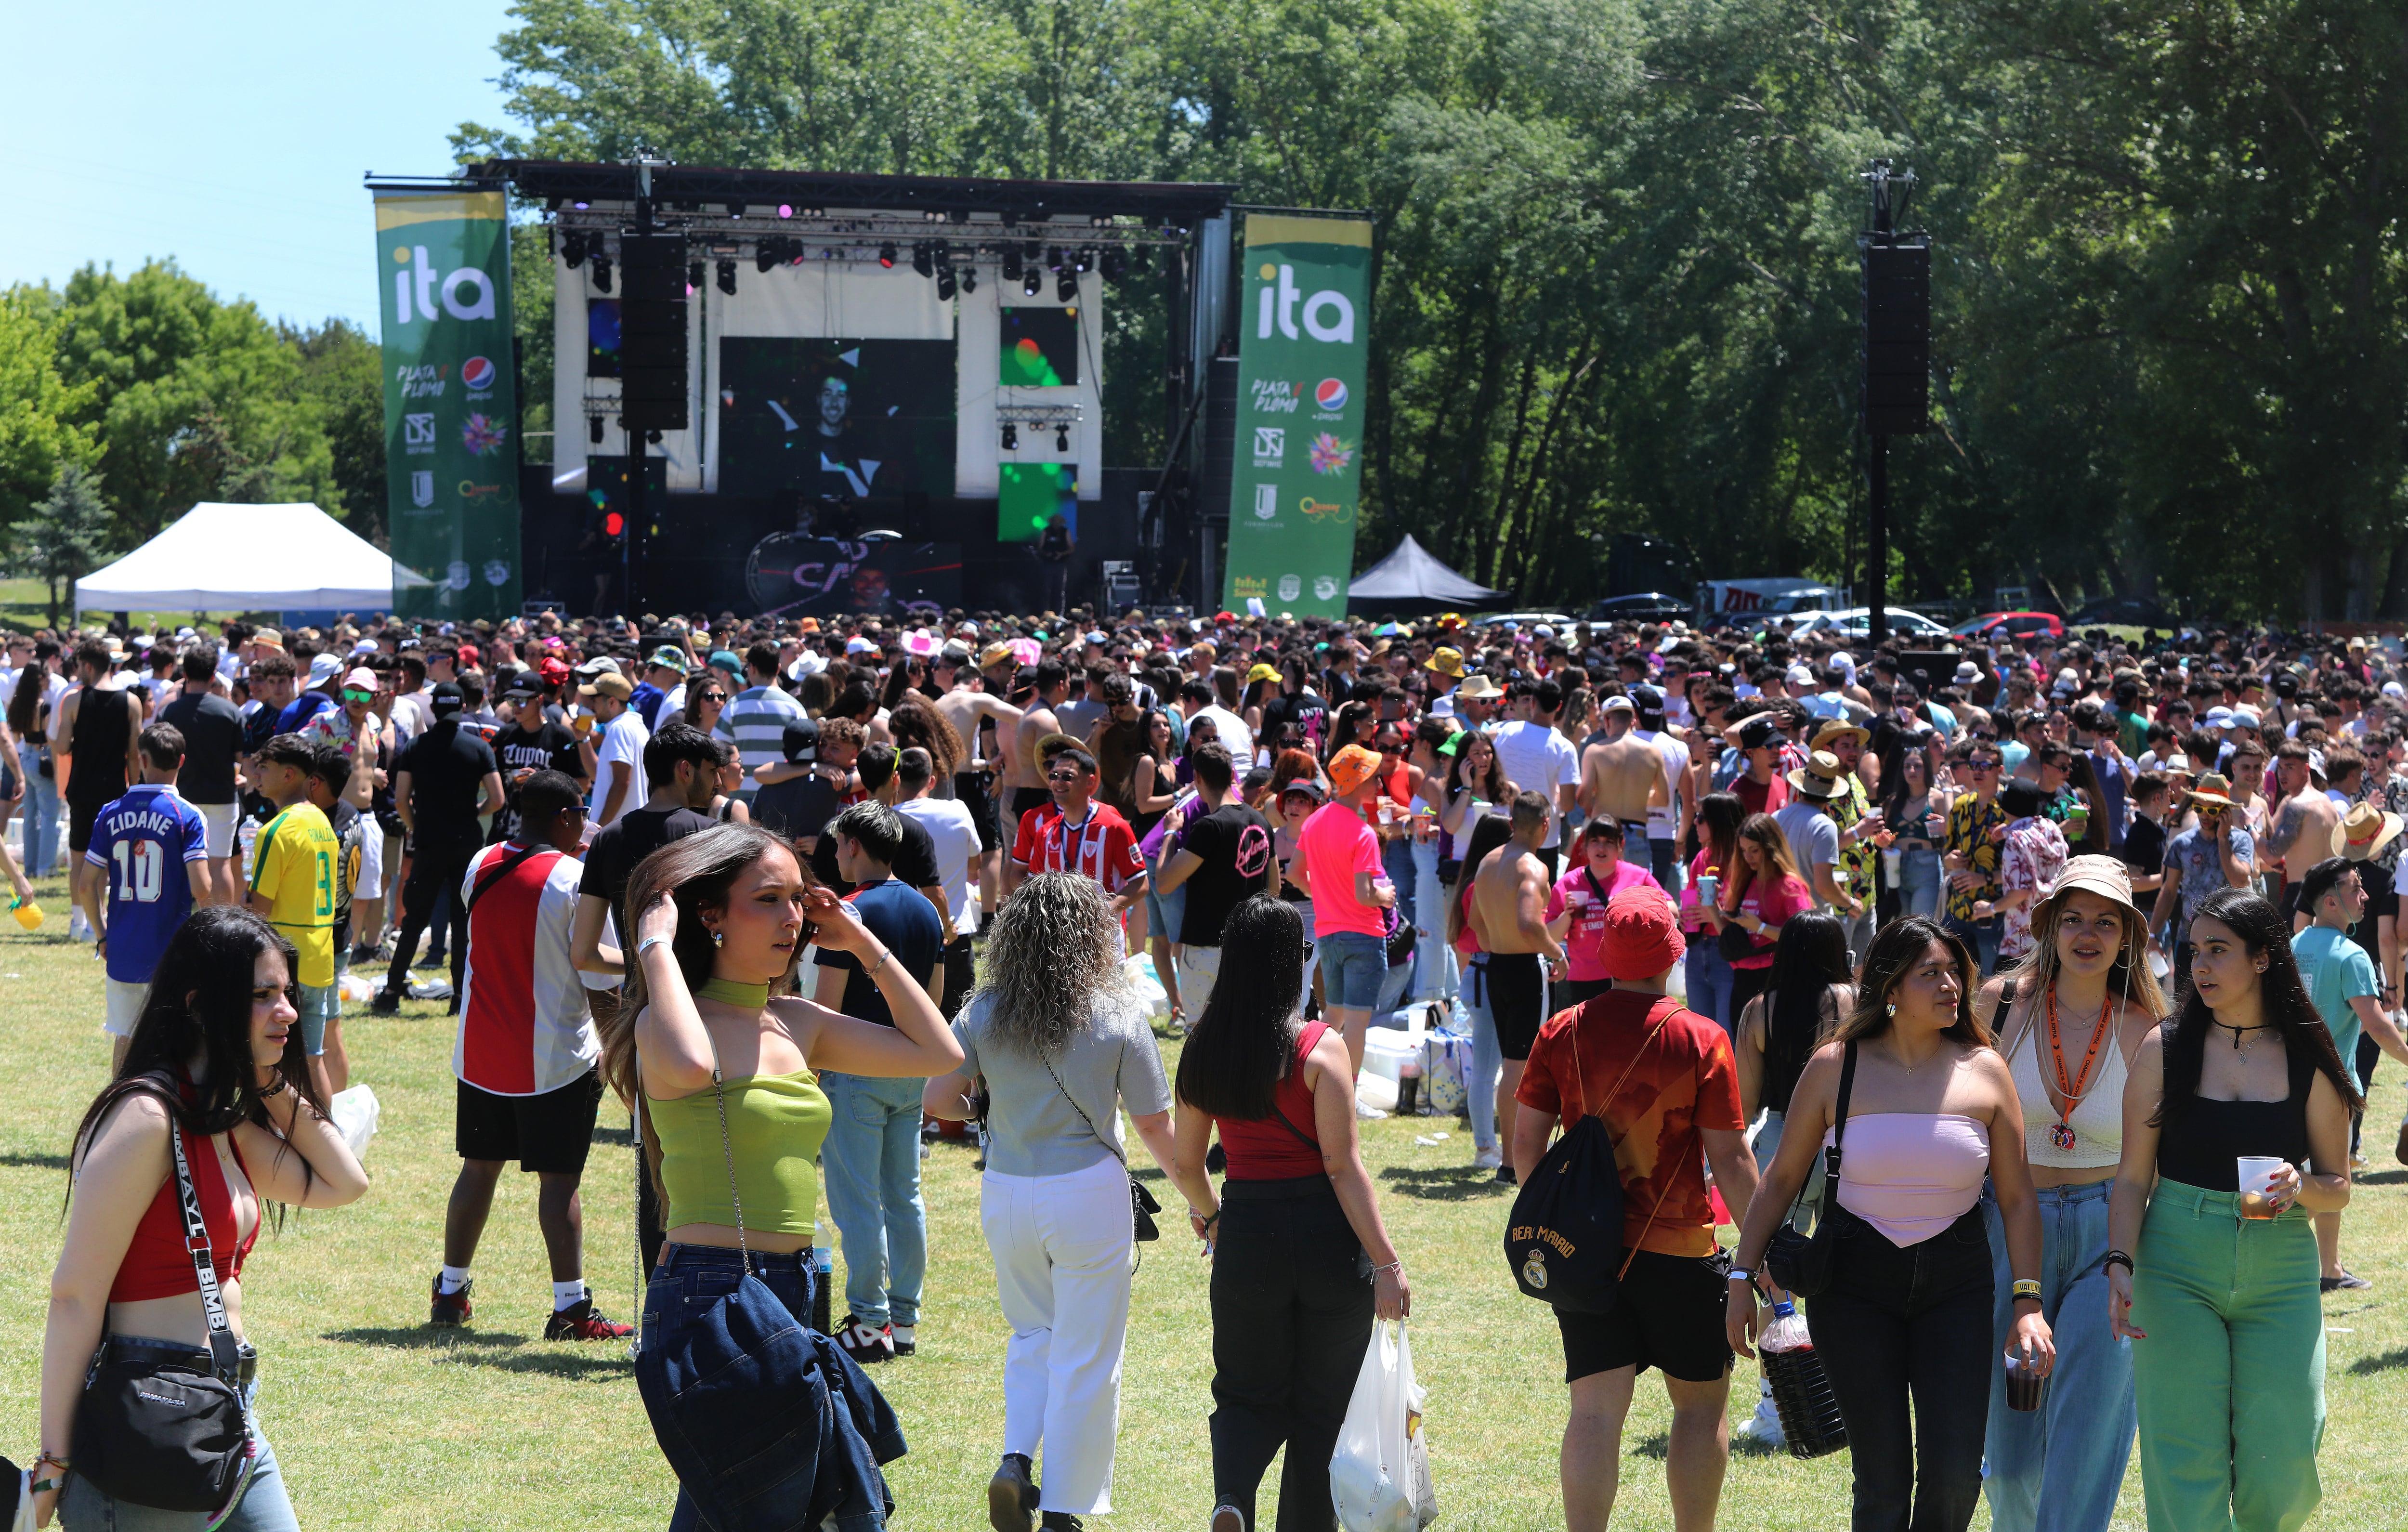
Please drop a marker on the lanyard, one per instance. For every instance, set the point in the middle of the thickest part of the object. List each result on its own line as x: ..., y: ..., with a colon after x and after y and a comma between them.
x: 2060, y: 1132
x: 1062, y: 842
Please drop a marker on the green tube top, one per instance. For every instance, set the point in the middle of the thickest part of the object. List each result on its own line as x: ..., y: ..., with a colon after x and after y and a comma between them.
x: 775, y: 1124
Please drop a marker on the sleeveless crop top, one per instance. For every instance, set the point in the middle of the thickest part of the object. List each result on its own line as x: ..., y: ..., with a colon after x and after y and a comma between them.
x: 2200, y: 1145
x: 775, y: 1126
x: 1911, y: 1174
x: 155, y: 1264
x: 1266, y: 1148
x: 2098, y: 1116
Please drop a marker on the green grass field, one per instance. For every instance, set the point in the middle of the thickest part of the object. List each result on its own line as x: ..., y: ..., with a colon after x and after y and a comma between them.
x: 383, y: 1423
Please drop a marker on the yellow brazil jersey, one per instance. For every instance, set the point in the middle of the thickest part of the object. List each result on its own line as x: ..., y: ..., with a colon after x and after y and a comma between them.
x: 295, y: 865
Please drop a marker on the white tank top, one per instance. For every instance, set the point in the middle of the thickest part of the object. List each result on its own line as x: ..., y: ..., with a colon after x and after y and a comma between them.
x: 2098, y: 1118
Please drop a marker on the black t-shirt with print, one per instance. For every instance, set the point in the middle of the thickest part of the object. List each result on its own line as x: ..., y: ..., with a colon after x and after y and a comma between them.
x: 1235, y: 843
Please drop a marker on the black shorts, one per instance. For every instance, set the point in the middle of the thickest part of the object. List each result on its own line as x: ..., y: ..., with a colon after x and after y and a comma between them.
x: 1669, y: 1316
x: 1022, y: 800
x: 971, y: 787
x: 1515, y: 993
x: 80, y: 819
x: 548, y: 1133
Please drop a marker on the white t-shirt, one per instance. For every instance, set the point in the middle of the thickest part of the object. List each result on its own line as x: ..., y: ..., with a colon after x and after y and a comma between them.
x: 1537, y: 759
x: 1235, y: 736
x: 623, y: 739
x: 955, y: 830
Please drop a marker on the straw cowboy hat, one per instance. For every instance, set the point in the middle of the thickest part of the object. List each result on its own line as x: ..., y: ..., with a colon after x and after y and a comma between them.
x: 1840, y: 728
x: 2214, y: 787
x: 2105, y: 876
x: 2364, y: 830
x: 1819, y: 778
x: 1479, y: 687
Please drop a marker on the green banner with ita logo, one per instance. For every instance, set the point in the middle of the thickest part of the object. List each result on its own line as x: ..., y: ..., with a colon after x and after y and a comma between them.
x: 449, y: 408
x: 1296, y: 487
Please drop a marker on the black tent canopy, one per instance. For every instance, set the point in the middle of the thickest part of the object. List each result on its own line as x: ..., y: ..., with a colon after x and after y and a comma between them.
x: 1411, y: 582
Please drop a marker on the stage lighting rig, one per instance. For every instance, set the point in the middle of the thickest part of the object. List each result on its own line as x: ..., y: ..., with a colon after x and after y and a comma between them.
x: 694, y: 276
x: 736, y: 210
x: 593, y: 430
x: 944, y: 284
x: 969, y: 278
x: 1033, y: 283
x: 1011, y: 437
x: 601, y: 272
x: 1085, y: 261
x: 1062, y: 439
x: 886, y: 256
x: 727, y: 277
x: 1054, y: 258
x: 1113, y: 263
x: 923, y: 259
x: 1066, y: 287
x: 572, y: 251
x: 1011, y: 261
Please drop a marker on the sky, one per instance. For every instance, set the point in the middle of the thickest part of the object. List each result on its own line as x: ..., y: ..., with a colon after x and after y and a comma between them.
x: 232, y: 138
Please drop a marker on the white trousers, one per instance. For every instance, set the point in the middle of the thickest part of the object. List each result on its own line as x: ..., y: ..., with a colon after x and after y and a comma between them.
x: 1061, y: 1246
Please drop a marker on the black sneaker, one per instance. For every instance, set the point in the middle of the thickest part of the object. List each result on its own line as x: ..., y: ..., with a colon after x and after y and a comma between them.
x: 1061, y: 1521
x: 385, y: 1003
x: 582, y: 1321
x: 1505, y: 1176
x: 1011, y: 1496
x: 2346, y: 1282
x: 865, y: 1345
x: 450, y: 1310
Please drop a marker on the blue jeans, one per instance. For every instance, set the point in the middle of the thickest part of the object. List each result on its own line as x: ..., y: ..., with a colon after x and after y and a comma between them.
x: 1488, y: 1064
x: 2059, y: 1467
x: 869, y: 1169
x: 1918, y: 879
x: 1434, y: 972
x: 40, y: 813
x: 1981, y: 935
x: 1352, y: 968
x: 1710, y: 978
x: 266, y: 1507
x: 1664, y: 860
x: 320, y: 1004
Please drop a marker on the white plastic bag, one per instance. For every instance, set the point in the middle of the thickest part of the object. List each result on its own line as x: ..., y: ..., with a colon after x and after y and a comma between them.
x: 354, y: 1114
x: 1138, y: 971
x: 1379, y: 1475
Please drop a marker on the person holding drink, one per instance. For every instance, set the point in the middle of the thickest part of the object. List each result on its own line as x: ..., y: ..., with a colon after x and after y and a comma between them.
x: 2071, y: 1016
x: 2236, y: 1129
x: 1576, y: 907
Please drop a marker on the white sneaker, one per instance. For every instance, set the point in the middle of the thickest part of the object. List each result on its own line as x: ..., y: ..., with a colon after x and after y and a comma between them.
x: 1764, y: 1429
x: 1365, y: 1112
x: 1487, y: 1159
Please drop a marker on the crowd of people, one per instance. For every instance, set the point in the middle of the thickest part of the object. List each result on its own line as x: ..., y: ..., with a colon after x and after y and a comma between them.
x: 2084, y: 951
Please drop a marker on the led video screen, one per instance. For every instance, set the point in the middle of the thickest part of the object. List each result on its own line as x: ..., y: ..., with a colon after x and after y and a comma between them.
x: 1029, y: 493
x: 1040, y: 349
x: 859, y: 420
x: 602, y: 337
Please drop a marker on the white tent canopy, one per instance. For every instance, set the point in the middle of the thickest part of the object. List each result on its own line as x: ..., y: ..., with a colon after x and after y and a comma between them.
x: 248, y: 558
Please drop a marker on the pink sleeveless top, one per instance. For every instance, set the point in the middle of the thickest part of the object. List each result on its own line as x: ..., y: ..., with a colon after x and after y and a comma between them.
x: 1911, y: 1174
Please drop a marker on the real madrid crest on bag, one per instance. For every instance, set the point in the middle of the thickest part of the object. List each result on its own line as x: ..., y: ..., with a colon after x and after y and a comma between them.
x: 1534, y: 1271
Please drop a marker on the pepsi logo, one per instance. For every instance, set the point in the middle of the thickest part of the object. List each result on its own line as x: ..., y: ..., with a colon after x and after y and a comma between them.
x: 478, y: 373
x: 1331, y: 395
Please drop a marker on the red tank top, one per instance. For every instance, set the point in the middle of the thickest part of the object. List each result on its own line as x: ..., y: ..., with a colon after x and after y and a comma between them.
x: 1267, y: 1148
x: 156, y: 1265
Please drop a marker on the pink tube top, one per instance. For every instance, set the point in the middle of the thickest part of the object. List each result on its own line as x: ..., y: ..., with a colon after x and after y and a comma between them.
x: 1911, y: 1174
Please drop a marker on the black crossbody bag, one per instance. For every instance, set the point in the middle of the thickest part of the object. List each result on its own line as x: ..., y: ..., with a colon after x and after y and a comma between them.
x: 1802, y: 1263
x: 157, y: 1430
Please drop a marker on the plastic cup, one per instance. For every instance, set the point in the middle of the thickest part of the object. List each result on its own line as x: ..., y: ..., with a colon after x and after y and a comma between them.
x: 1893, y: 862
x: 2256, y: 1172
x: 2024, y: 1382
x: 1707, y: 884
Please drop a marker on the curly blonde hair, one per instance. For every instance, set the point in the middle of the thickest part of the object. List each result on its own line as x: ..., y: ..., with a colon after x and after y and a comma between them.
x: 1051, y: 951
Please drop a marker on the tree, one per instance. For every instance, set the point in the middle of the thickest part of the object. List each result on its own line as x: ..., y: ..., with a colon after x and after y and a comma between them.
x: 65, y: 537
x: 343, y: 382
x: 39, y: 429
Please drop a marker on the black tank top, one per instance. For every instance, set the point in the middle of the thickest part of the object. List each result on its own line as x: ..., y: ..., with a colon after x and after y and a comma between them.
x: 102, y: 732
x: 2200, y: 1144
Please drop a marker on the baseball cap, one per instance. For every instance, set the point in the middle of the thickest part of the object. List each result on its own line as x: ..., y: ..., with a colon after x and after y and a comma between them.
x: 1757, y: 733
x: 322, y: 668
x: 1641, y: 939
x: 1647, y: 699
x: 1618, y: 704
x: 446, y: 698
x: 801, y: 742
x: 554, y: 671
x: 610, y: 683
x: 859, y: 645
x: 360, y: 679
x: 526, y: 683
x: 725, y: 660
x: 669, y: 655
x: 467, y: 654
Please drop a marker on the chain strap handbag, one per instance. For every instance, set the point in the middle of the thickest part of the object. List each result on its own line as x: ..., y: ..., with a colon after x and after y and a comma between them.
x: 1143, y: 1206
x: 154, y: 1429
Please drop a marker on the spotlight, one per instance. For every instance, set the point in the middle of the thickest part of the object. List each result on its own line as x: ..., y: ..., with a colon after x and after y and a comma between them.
x: 694, y: 276
x: 601, y: 272
x: 1033, y: 283
x: 1011, y: 261
x: 770, y: 252
x: 1062, y: 439
x: 1031, y: 252
x: 886, y: 255
x: 727, y: 277
x: 1054, y: 258
x: 736, y: 210
x: 1085, y: 261
x: 922, y: 260
x: 580, y: 206
x: 944, y: 284
x: 969, y: 278
x: 1066, y: 287
x: 653, y: 437
x: 572, y: 251
x: 593, y: 430
x: 1011, y: 437
x: 785, y: 210
x: 1113, y: 262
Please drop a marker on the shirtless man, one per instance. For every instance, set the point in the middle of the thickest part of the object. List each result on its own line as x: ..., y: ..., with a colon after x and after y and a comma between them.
x: 2303, y: 819
x: 1023, y: 774
x: 981, y: 720
x: 1509, y: 910
x: 1624, y: 774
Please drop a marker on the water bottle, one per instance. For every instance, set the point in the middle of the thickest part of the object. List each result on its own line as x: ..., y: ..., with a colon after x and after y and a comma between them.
x: 822, y: 1274
x: 1810, y: 1415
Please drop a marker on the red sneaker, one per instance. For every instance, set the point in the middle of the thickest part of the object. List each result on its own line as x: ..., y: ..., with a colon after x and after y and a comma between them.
x: 582, y: 1321
x: 450, y: 1310
x: 865, y: 1345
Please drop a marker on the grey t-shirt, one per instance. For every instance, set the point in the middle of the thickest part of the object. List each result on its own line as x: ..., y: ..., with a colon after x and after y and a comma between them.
x: 1813, y: 837
x: 1109, y: 1063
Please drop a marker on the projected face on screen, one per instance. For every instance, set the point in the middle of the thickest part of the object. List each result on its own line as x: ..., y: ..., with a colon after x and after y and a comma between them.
x: 867, y: 420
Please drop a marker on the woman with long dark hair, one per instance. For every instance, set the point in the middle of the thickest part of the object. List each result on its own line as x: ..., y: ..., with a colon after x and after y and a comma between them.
x: 1302, y: 1263
x: 914, y: 721
x: 214, y: 1071
x: 1709, y: 973
x: 1908, y: 803
x: 1063, y: 1046
x: 1904, y: 1320
x: 2071, y: 1017
x: 1485, y: 1089
x: 1475, y: 784
x: 1760, y: 891
x: 29, y: 723
x: 1780, y: 1028
x: 719, y: 1057
x: 2218, y: 1292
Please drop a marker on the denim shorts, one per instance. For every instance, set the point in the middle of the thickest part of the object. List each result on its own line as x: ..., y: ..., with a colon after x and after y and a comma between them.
x: 320, y: 1004
x: 1352, y: 967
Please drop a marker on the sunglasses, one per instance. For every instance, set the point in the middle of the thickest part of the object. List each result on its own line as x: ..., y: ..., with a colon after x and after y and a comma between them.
x: 352, y: 694
x: 1981, y: 766
x: 713, y: 696
x: 1063, y: 776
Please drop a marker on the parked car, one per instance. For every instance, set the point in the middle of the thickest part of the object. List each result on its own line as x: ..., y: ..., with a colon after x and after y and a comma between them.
x: 2122, y: 612
x: 1642, y: 606
x: 1560, y: 621
x: 2010, y: 624
x: 1857, y: 622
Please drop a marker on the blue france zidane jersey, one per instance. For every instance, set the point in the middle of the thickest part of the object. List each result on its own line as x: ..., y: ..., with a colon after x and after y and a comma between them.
x: 142, y: 841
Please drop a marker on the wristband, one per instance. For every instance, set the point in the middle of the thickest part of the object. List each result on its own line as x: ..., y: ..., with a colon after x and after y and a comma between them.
x: 1742, y: 1274
x: 880, y: 964
x: 2026, y: 1288
x: 2116, y: 1257
x: 649, y: 943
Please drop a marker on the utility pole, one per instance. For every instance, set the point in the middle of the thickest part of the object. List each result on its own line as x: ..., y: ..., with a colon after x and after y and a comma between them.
x: 1894, y: 396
